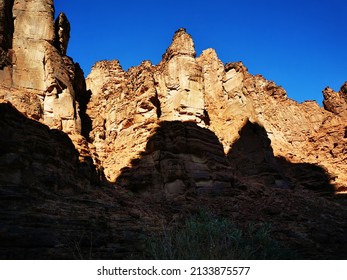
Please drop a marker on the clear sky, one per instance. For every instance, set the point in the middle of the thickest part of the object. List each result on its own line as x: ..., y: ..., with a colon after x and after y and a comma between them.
x: 299, y: 44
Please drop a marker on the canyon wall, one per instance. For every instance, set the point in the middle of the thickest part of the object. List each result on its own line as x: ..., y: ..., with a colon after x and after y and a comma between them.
x: 127, y: 108
x: 91, y: 168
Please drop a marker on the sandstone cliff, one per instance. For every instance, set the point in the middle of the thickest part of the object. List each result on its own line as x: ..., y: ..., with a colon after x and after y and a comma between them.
x: 109, y: 159
x: 128, y: 107
x: 36, y: 75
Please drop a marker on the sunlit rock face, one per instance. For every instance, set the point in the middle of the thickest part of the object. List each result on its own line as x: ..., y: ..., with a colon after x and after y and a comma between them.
x: 180, y: 83
x: 38, y: 77
x: 128, y: 107
x: 188, y: 133
x: 122, y: 110
x: 336, y: 102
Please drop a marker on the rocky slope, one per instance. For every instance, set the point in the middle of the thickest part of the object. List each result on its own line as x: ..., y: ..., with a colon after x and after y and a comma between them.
x: 90, y: 167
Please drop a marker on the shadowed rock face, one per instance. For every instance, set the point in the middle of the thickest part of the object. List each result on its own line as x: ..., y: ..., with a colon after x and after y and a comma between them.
x: 180, y: 159
x: 169, y: 138
x: 33, y: 154
x: 253, y: 162
x: 183, y: 160
x: 6, y: 33
x: 50, y: 205
x: 62, y: 33
x: 49, y: 212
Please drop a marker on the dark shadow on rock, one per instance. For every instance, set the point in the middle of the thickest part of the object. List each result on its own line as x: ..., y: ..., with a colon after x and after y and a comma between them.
x: 49, y: 208
x: 6, y: 33
x: 46, y: 212
x: 180, y: 158
x: 253, y: 161
x: 33, y: 154
x: 82, y: 97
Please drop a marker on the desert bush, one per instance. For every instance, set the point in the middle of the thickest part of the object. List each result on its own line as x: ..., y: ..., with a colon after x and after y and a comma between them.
x: 204, y: 236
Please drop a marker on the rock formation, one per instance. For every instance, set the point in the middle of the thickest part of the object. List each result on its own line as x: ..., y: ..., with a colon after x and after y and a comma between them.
x: 37, y: 76
x: 336, y: 102
x: 112, y: 158
x: 127, y: 108
x: 49, y: 199
x: 49, y: 160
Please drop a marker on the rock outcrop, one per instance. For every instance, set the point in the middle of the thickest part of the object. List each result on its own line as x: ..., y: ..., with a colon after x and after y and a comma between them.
x: 127, y: 108
x: 181, y: 159
x: 51, y: 205
x: 89, y: 168
x: 6, y: 34
x: 34, y: 155
x: 37, y: 76
x: 336, y: 102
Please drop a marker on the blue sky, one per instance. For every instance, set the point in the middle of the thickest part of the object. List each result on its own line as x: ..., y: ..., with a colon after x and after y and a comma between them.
x: 301, y: 45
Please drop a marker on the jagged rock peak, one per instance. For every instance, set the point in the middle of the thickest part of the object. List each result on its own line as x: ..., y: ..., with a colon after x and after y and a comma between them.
x: 343, y: 90
x: 62, y: 33
x: 209, y: 53
x: 107, y: 65
x: 336, y: 102
x: 182, y: 44
x: 238, y: 66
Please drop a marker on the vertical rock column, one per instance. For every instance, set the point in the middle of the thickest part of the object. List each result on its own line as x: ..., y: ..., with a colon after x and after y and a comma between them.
x: 60, y: 106
x: 33, y: 26
x: 180, y: 82
x: 41, y: 64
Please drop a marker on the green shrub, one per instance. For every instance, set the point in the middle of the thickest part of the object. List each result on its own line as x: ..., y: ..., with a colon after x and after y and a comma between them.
x: 204, y: 236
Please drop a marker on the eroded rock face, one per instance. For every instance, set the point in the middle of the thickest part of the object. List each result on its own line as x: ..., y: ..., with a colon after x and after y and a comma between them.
x: 50, y: 202
x: 34, y: 155
x: 180, y: 82
x: 62, y: 33
x: 128, y: 108
x: 336, y: 102
x: 186, y: 133
x: 180, y: 159
x: 33, y: 66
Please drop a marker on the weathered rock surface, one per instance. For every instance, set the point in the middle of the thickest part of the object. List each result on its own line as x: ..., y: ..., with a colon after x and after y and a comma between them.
x: 32, y: 65
x: 33, y: 154
x: 181, y: 160
x: 124, y: 153
x: 336, y: 102
x: 126, y: 108
x: 50, y: 206
x: 47, y: 210
x: 62, y: 33
x: 179, y: 82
